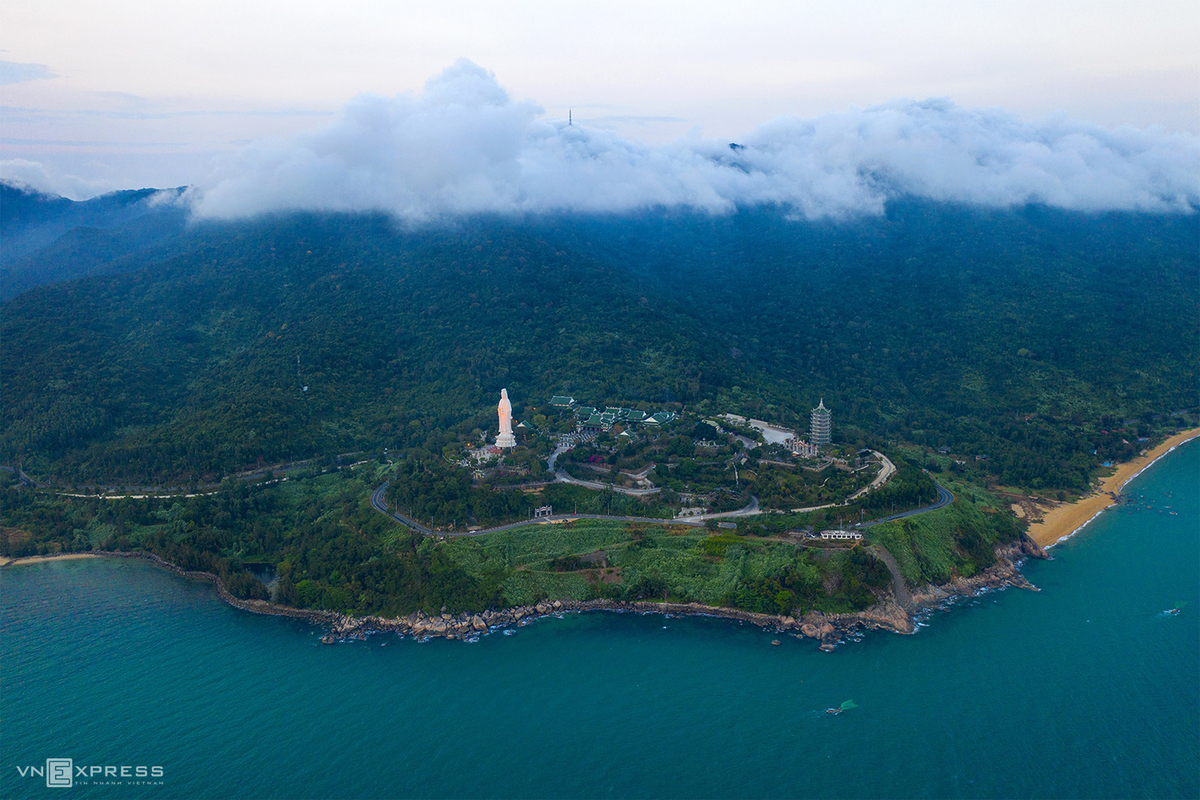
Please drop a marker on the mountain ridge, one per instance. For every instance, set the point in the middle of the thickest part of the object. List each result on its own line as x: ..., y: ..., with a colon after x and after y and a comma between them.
x: 936, y: 324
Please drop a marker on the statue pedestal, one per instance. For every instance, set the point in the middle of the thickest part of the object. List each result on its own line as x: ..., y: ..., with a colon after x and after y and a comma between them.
x: 506, y: 440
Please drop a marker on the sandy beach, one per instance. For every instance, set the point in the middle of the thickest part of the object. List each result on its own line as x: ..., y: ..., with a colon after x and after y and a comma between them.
x: 1066, y: 518
x: 16, y: 562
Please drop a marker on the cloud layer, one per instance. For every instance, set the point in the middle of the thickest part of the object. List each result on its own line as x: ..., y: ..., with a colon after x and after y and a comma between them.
x: 34, y: 175
x: 464, y: 146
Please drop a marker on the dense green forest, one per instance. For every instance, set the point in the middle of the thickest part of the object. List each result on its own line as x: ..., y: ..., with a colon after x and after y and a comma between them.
x: 1021, y: 348
x: 1033, y: 338
x: 1026, y: 336
x: 198, y: 366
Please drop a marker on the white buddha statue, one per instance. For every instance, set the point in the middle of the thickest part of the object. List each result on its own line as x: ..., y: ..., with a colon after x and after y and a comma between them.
x: 505, y: 437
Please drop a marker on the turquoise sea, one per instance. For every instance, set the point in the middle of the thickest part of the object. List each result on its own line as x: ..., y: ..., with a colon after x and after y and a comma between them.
x: 1085, y: 689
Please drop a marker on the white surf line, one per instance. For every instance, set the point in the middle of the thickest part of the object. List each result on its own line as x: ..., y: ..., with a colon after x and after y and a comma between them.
x: 1160, y: 456
x: 1121, y: 488
x: 1066, y: 536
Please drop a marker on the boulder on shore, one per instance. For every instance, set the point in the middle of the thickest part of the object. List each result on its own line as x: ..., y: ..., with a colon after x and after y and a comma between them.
x: 815, y: 625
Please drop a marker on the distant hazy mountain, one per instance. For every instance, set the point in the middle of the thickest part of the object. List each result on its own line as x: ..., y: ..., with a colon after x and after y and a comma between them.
x: 48, y: 239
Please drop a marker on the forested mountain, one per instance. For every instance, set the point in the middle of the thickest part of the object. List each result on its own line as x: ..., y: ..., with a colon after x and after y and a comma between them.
x: 49, y: 239
x: 1043, y: 340
x: 1019, y: 336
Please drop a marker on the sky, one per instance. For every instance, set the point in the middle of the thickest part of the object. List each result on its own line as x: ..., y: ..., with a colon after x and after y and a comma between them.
x: 252, y: 101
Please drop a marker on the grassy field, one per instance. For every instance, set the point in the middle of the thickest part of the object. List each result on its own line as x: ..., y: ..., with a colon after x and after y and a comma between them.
x: 653, y: 562
x: 531, y: 544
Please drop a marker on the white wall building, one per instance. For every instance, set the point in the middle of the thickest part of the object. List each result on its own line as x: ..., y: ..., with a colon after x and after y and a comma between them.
x: 834, y: 535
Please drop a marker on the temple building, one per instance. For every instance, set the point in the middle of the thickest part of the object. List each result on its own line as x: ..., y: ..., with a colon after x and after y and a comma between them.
x: 802, y: 448
x: 821, y: 426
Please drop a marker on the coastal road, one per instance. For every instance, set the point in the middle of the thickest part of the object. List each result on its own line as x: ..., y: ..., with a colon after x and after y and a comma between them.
x: 945, y: 498
x: 21, y: 476
x: 886, y: 470
x: 748, y: 510
x: 380, y: 504
x: 162, y: 493
x: 561, y: 476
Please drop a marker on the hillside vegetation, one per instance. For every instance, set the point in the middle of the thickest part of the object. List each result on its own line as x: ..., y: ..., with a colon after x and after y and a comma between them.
x: 1022, y: 348
x: 324, y: 547
x: 1044, y: 341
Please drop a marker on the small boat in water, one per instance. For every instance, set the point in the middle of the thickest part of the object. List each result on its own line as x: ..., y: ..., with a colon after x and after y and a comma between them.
x: 776, y: 642
x: 842, y: 707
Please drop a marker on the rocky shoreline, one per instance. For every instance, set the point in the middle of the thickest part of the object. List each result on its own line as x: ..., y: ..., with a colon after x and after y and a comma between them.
x: 830, y: 629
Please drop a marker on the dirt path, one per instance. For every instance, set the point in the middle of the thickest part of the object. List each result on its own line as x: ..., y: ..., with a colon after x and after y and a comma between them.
x: 903, y: 596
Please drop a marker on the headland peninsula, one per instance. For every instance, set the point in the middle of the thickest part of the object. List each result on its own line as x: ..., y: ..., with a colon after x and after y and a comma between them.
x: 895, y: 601
x: 305, y: 406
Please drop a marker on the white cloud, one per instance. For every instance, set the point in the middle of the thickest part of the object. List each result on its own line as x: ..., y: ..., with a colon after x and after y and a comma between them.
x: 464, y: 146
x: 34, y: 175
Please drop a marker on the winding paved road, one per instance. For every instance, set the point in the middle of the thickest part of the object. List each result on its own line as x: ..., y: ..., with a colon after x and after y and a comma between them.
x: 562, y: 476
x: 21, y: 476
x: 944, y: 499
x: 887, y: 469
x: 379, y: 503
